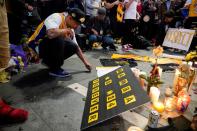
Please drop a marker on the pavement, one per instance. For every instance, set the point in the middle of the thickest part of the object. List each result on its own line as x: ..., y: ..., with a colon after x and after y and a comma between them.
x: 52, y: 105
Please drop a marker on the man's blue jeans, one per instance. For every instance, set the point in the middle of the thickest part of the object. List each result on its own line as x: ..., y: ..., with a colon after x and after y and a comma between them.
x: 106, y: 40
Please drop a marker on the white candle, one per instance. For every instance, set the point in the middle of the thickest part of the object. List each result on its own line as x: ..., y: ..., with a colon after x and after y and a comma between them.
x: 160, y: 71
x: 190, y: 64
x: 154, y: 94
x: 177, y: 73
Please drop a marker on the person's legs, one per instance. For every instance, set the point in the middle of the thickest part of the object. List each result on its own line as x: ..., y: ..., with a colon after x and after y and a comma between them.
x: 70, y: 48
x: 54, y: 52
x: 4, y: 37
x: 127, y: 35
x: 92, y: 39
x: 126, y: 31
x: 108, y: 41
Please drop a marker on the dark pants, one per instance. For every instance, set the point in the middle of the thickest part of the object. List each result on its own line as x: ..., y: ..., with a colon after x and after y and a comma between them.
x: 148, y: 29
x: 116, y: 27
x: 106, y: 40
x: 55, y: 51
x: 190, y: 22
x: 128, y: 36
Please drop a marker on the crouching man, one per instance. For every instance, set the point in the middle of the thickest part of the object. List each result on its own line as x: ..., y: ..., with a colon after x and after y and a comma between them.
x: 59, y: 42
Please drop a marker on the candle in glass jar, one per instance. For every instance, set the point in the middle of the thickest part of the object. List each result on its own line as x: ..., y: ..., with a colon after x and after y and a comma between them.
x: 183, y: 102
x: 159, y: 106
x: 154, y: 94
x: 169, y: 104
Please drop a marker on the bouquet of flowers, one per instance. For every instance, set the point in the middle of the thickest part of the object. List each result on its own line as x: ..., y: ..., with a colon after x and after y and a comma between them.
x: 155, y: 74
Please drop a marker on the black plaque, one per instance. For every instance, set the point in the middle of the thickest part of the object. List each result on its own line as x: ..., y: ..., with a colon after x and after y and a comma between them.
x: 110, y: 95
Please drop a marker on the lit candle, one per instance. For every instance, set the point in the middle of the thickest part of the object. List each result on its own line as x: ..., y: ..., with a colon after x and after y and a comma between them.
x: 183, y: 102
x: 159, y: 106
x: 160, y: 71
x: 169, y: 101
x: 176, y: 76
x: 190, y: 64
x: 169, y: 104
x: 154, y: 94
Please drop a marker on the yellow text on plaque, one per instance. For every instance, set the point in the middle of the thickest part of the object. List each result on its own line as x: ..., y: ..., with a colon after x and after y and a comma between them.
x: 93, y: 117
x: 126, y: 89
x: 109, y: 92
x: 111, y: 104
x: 95, y: 85
x: 119, y: 71
x: 95, y: 95
x: 95, y: 81
x: 129, y: 99
x: 108, y: 82
x: 95, y: 101
x: 95, y: 89
x: 94, y: 108
x: 107, y: 78
x: 111, y: 97
x: 123, y: 82
x: 121, y: 75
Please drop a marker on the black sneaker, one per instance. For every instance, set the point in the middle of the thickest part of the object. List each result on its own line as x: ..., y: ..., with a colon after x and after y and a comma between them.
x: 59, y: 73
x: 113, y: 48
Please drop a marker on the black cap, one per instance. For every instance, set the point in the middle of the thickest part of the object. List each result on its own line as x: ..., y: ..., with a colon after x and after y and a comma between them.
x: 77, y: 14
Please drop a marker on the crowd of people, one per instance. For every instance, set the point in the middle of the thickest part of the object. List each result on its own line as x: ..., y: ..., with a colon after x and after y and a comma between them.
x: 137, y: 23
x: 147, y: 18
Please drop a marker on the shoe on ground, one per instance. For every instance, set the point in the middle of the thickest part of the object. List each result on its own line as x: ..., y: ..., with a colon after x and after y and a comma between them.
x: 112, y: 49
x: 10, y: 115
x: 59, y: 73
x: 127, y: 47
x: 124, y: 48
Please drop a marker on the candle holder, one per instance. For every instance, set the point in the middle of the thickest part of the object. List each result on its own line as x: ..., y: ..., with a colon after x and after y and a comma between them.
x: 184, y: 77
x: 183, y: 101
x: 169, y: 104
x: 169, y: 100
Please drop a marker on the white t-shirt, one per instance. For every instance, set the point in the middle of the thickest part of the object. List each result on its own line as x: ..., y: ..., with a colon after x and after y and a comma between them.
x: 54, y: 21
x: 188, y: 2
x: 131, y: 12
x: 91, y: 7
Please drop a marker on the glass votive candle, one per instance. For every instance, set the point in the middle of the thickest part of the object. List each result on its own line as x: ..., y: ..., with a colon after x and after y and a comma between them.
x: 169, y: 104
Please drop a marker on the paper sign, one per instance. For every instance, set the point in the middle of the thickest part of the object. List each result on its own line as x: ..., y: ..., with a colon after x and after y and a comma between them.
x: 179, y: 38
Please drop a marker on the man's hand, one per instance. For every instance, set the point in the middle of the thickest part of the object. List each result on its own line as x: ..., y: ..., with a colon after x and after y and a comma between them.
x: 95, y: 32
x: 68, y: 34
x: 88, y: 66
x: 116, y: 2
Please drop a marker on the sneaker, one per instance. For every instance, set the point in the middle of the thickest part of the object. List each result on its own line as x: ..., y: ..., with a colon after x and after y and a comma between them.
x: 124, y: 48
x: 112, y: 49
x: 59, y: 73
x: 129, y: 46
